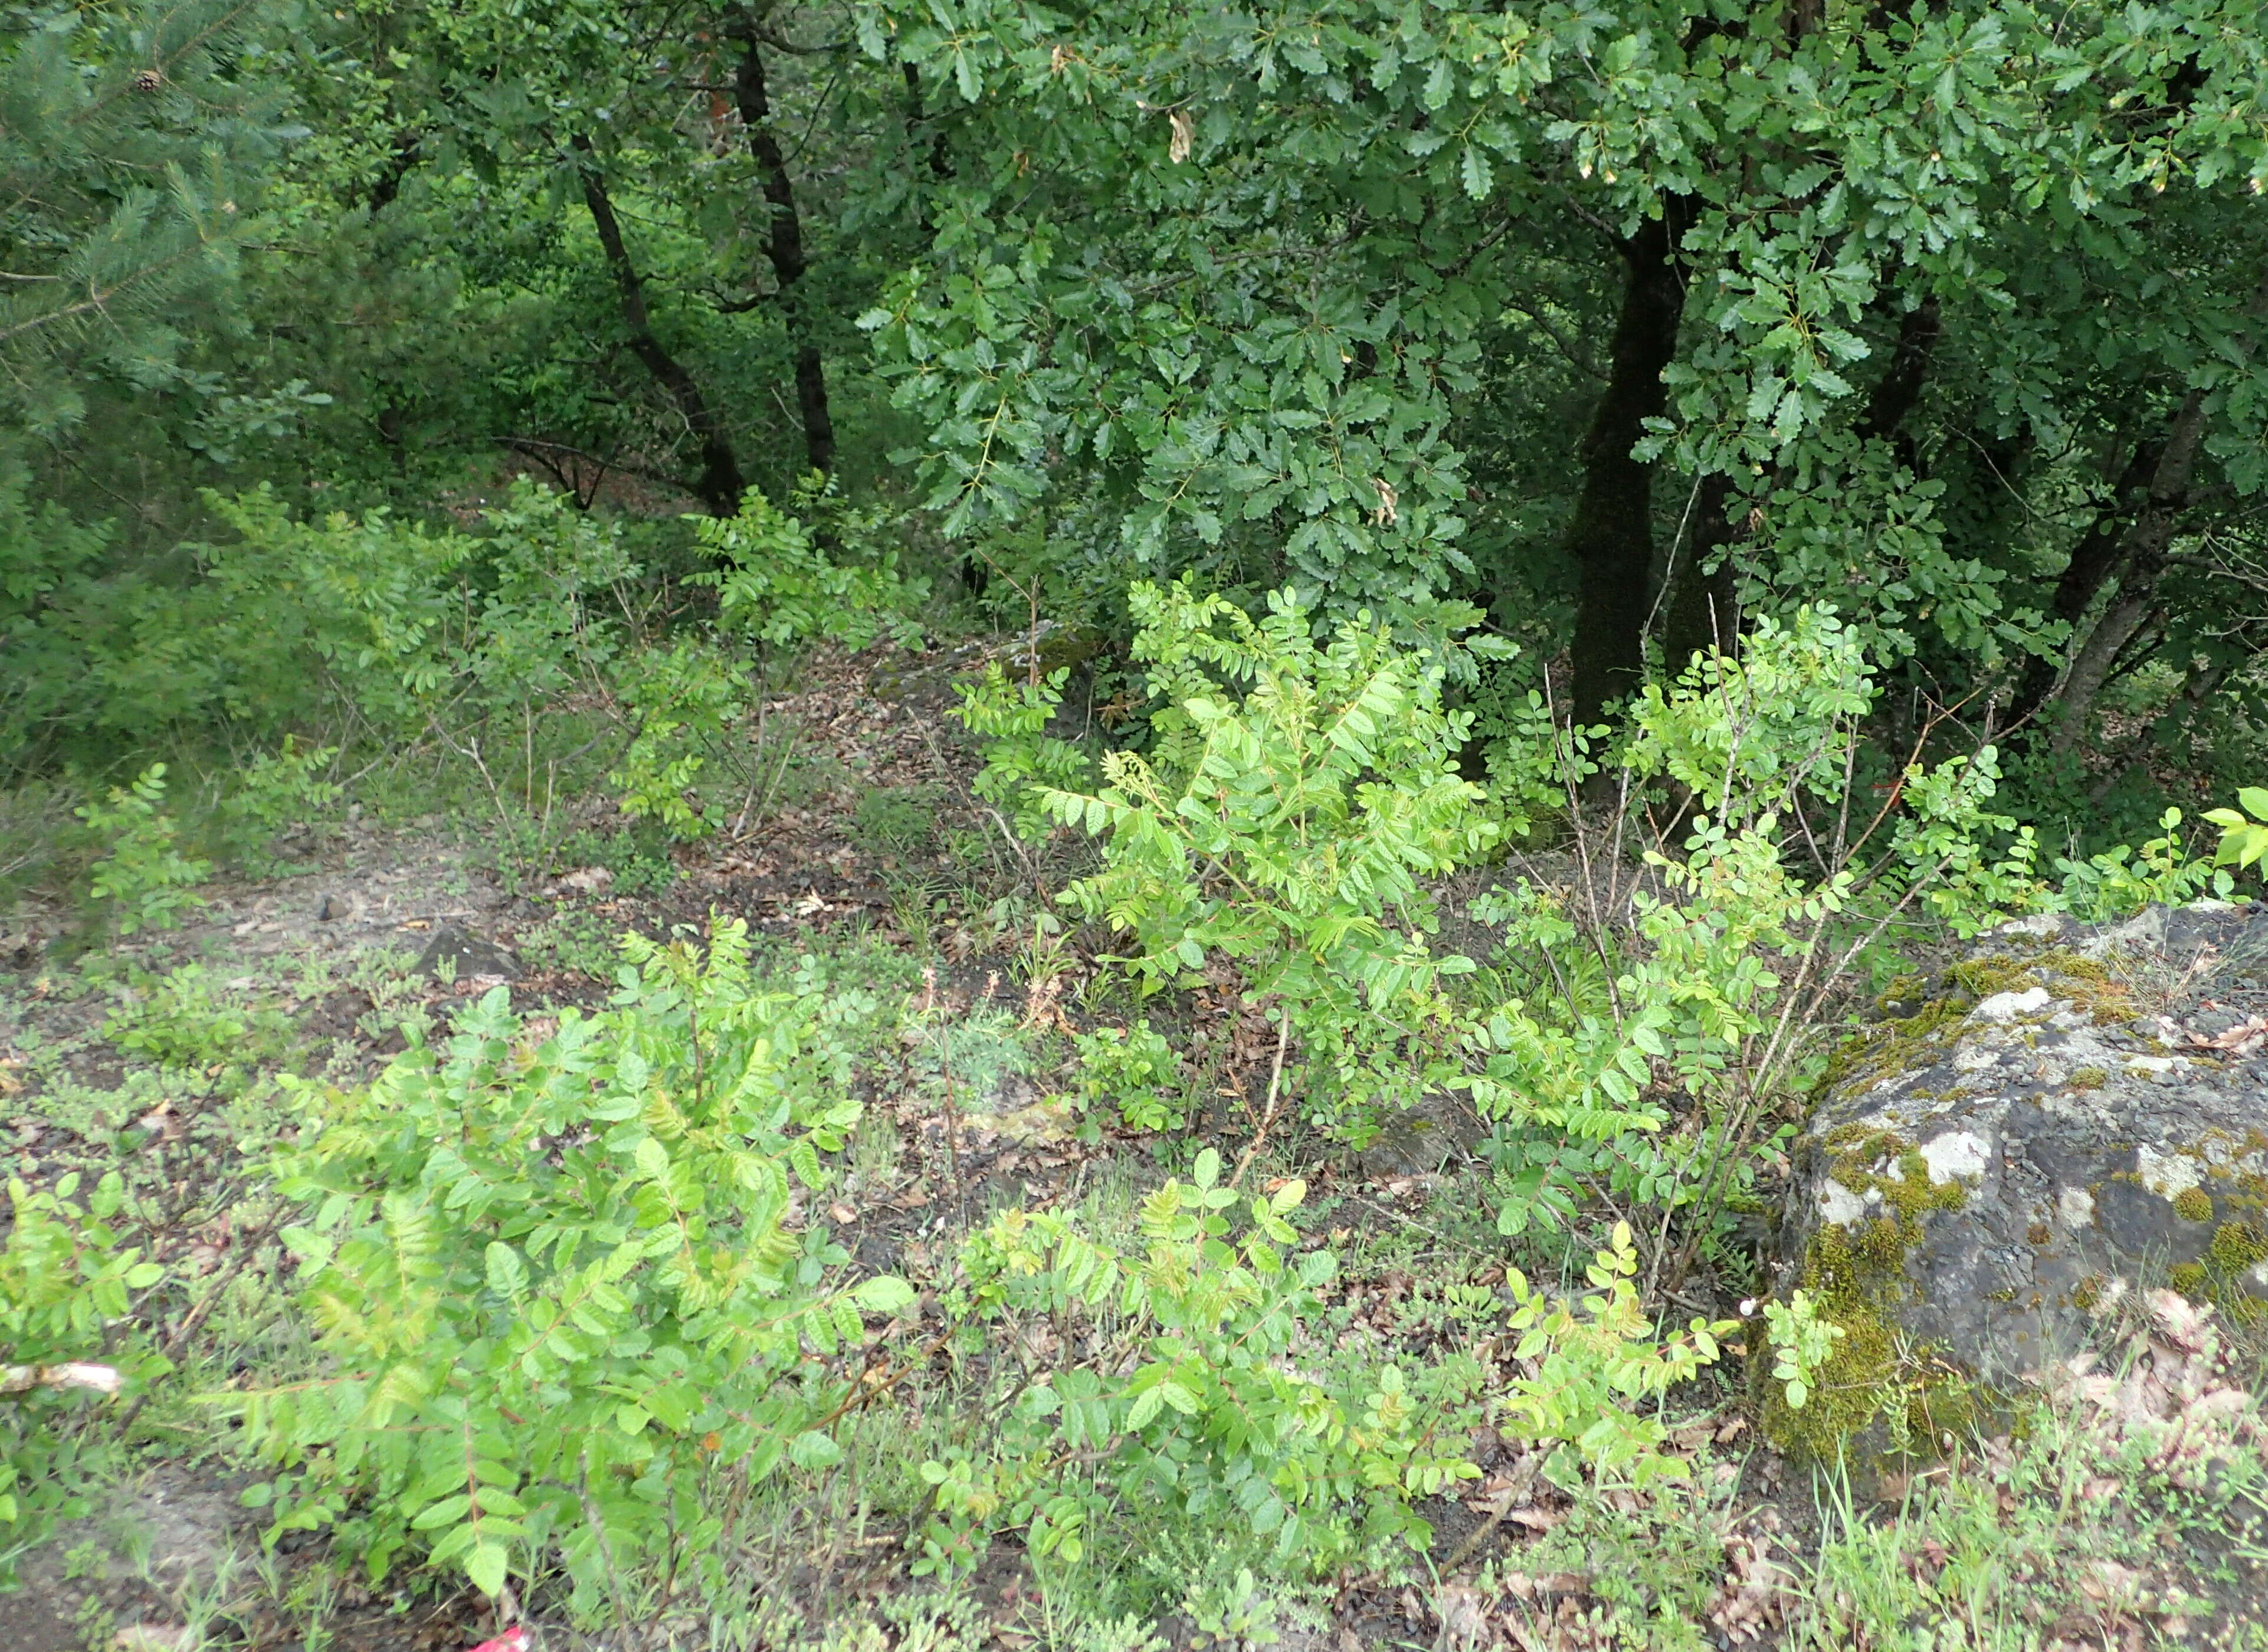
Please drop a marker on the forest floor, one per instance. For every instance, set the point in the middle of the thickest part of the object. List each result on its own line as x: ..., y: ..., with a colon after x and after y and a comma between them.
x: 863, y: 847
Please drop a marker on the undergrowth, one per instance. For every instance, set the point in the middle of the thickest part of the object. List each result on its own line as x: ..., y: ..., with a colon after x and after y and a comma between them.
x: 611, y: 1312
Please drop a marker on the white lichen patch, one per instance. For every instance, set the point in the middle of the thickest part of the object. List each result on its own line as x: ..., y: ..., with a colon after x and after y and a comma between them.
x: 2003, y: 1008
x: 2168, y: 1174
x: 2041, y: 924
x: 2146, y: 931
x: 2159, y: 1068
x: 1838, y: 1205
x: 1958, y: 1155
x: 1975, y: 1058
x: 2076, y: 1207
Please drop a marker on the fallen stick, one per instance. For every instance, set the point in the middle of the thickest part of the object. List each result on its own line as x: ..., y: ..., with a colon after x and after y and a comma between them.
x: 22, y: 1379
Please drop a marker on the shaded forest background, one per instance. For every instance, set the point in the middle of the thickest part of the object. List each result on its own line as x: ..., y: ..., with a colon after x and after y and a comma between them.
x: 1622, y: 330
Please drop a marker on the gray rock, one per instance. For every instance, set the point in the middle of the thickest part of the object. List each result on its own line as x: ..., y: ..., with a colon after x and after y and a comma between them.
x: 472, y: 956
x: 2071, y: 1111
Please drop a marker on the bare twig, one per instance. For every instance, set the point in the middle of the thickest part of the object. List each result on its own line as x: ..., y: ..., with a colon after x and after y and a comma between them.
x: 1275, y: 1087
x: 80, y: 1375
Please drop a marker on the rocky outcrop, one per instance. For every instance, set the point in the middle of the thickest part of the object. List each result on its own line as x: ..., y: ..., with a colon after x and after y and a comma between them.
x: 2071, y: 1112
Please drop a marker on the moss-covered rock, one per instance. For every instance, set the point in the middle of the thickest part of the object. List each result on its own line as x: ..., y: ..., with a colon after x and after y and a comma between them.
x: 1982, y: 1168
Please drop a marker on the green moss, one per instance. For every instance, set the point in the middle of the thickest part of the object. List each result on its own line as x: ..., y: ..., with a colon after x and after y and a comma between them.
x: 1988, y: 977
x: 1906, y: 1044
x: 1895, y: 1046
x: 2085, y: 981
x: 1946, y: 1410
x: 1854, y: 1150
x: 1853, y: 1274
x: 1901, y: 991
x: 2194, y: 1205
x: 1857, y: 1276
x: 2190, y: 1279
x: 2237, y: 1247
x: 2088, y: 1291
x: 2090, y: 1078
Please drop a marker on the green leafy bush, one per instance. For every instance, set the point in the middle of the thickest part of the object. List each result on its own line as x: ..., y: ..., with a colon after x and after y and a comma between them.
x: 1295, y: 797
x: 66, y: 1276
x: 1598, y: 1368
x: 2243, y: 836
x: 351, y: 625
x: 275, y: 790
x: 1208, y: 1386
x: 778, y: 587
x: 1009, y: 719
x: 635, y: 858
x: 552, y: 1274
x: 684, y: 703
x: 1702, y: 983
x: 1134, y: 1069
x: 142, y: 873
x: 1802, y: 1343
x: 2123, y: 880
x: 176, y: 1019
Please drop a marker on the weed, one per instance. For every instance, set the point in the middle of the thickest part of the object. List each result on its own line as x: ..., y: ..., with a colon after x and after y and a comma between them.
x: 141, y: 874
x: 178, y: 1019
x: 575, y: 943
x: 553, y: 1269
x: 1135, y: 1070
x: 896, y: 820
x: 67, y: 1278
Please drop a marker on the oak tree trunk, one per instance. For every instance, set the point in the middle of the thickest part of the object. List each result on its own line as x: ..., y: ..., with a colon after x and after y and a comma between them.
x: 1610, y: 537
x: 783, y: 245
x: 719, y: 486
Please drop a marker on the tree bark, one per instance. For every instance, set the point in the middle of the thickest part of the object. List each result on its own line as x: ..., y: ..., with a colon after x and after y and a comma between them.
x: 783, y: 245
x: 2143, y: 557
x: 2093, y: 561
x: 719, y: 487
x: 1610, y: 538
x: 1899, y: 389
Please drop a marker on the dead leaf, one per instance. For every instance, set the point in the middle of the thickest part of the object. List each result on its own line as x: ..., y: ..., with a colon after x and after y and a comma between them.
x: 2181, y: 1322
x: 1184, y: 140
x: 1749, y: 1605
x: 1463, y: 1621
x: 2241, y: 1039
x: 2111, y: 1584
x: 1388, y: 511
x: 150, y: 1637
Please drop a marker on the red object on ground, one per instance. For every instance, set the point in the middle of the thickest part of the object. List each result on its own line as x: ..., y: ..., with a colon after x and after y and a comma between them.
x: 512, y: 1640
